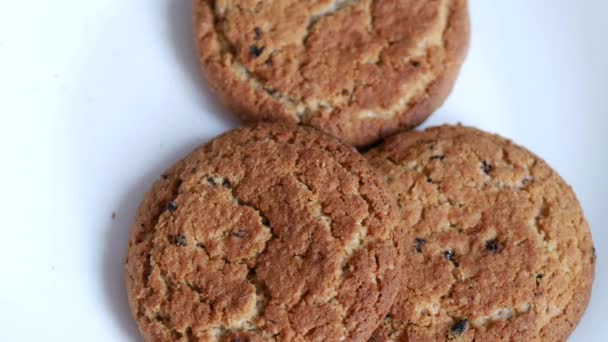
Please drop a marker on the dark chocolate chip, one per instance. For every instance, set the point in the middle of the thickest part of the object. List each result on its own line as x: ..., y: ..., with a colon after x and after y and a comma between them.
x: 226, y: 183
x: 268, y: 62
x: 256, y: 51
x: 172, y: 206
x: 165, y: 176
x: 193, y: 171
x: 539, y: 276
x: 239, y: 234
x: 180, y: 240
x: 419, y: 243
x: 493, y: 246
x: 415, y: 64
x: 429, y: 180
x: 460, y: 327
x: 449, y: 255
x: 485, y: 167
x: 258, y: 33
x: 440, y: 158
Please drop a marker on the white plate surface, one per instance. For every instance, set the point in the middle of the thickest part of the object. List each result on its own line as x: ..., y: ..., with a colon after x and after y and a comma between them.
x: 97, y: 97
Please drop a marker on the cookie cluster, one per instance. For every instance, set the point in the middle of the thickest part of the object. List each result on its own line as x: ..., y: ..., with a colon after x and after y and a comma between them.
x: 283, y: 231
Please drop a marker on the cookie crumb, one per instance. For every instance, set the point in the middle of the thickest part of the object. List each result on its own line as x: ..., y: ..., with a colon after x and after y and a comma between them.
x: 419, y: 244
x: 193, y: 170
x: 164, y: 176
x: 180, y: 240
x: 113, y: 215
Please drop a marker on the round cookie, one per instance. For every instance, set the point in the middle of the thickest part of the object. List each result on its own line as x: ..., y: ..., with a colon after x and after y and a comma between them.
x: 497, y: 248
x: 358, y: 69
x: 271, y: 232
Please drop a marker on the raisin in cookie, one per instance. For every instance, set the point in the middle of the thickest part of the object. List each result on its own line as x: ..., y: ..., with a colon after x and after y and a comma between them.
x: 271, y: 232
x: 358, y: 69
x: 498, y: 243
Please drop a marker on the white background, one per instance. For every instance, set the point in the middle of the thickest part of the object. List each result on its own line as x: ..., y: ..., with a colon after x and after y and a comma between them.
x: 97, y: 97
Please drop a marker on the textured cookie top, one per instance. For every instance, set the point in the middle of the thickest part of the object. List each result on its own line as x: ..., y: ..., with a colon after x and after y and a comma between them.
x: 266, y: 233
x: 499, y: 249
x: 359, y: 69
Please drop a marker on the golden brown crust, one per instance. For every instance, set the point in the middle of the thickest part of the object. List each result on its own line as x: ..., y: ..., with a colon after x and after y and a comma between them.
x: 358, y: 69
x: 499, y: 245
x: 268, y: 232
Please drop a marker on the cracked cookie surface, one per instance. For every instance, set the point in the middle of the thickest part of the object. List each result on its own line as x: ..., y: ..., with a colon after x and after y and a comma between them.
x: 358, y: 69
x: 266, y: 233
x: 498, y: 249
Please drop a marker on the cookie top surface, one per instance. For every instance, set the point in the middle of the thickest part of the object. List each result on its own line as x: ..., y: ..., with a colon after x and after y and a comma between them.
x: 271, y: 233
x: 498, y: 247
x: 358, y: 69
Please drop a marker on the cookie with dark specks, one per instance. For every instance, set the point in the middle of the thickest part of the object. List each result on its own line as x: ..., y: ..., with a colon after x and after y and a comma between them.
x: 358, y: 69
x: 266, y: 233
x: 499, y: 249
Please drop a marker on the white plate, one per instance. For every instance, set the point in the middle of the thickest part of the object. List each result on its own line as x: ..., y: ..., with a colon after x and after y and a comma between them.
x: 97, y: 97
